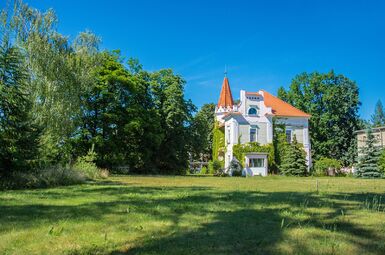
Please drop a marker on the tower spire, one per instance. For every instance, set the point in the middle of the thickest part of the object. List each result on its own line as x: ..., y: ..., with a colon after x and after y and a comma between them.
x: 225, y: 98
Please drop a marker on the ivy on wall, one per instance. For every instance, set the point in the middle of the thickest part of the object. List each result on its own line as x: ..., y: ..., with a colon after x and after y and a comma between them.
x: 275, y: 150
x: 279, y: 142
x: 218, y: 141
x: 240, y: 151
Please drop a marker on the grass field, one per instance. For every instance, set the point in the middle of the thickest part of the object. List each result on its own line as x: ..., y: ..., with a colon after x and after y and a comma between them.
x: 192, y: 215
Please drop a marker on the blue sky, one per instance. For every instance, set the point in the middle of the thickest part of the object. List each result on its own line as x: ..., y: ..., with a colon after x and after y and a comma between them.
x: 263, y: 43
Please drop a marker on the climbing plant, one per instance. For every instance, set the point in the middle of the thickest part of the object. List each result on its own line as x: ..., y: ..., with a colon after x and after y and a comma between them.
x: 240, y: 151
x: 218, y: 141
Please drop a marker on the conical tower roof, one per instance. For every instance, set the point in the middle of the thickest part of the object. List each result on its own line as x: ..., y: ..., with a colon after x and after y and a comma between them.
x: 226, y: 98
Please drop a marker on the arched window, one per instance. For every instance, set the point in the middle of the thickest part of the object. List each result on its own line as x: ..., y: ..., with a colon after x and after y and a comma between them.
x: 252, y: 111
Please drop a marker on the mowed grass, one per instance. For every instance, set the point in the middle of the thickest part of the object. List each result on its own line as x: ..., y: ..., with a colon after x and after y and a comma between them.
x: 192, y: 215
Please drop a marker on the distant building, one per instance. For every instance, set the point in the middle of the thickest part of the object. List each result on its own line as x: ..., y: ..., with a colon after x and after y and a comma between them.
x: 378, y: 133
x: 251, y: 120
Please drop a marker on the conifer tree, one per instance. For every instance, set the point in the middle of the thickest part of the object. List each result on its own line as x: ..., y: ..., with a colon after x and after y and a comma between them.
x: 369, y: 156
x: 378, y: 118
x: 294, y: 160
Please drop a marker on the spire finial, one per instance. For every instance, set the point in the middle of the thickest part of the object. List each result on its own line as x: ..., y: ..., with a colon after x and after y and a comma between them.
x: 225, y: 70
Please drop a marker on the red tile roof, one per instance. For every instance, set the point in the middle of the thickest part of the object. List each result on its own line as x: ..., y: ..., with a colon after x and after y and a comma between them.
x: 226, y: 98
x: 281, y: 108
x: 253, y: 93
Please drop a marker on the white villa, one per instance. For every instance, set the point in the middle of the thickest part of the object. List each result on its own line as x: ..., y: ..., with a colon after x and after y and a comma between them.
x: 251, y: 120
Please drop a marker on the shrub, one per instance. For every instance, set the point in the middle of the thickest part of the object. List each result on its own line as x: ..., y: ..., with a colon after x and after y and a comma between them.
x: 44, y: 178
x: 235, y: 168
x: 87, y: 167
x: 214, y: 166
x: 204, y: 170
x: 323, y: 165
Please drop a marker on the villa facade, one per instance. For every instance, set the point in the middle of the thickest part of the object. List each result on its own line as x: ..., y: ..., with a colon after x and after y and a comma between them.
x: 251, y: 120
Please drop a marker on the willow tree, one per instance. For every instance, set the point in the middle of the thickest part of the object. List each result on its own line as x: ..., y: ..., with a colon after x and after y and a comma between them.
x: 59, y: 70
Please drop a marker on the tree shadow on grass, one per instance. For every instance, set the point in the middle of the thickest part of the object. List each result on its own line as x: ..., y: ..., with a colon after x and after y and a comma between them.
x: 242, y: 222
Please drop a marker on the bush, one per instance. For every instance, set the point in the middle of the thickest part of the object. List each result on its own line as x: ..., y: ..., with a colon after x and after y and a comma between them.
x: 322, y: 166
x: 45, y: 178
x: 214, y: 166
x: 204, y: 170
x: 87, y: 167
x: 235, y: 168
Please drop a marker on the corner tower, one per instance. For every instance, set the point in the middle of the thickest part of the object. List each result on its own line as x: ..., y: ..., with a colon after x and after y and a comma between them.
x: 225, y: 102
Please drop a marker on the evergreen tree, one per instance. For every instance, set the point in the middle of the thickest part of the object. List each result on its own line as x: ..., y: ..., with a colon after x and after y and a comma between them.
x: 381, y: 162
x: 18, y: 135
x: 294, y: 160
x: 369, y: 157
x: 378, y: 118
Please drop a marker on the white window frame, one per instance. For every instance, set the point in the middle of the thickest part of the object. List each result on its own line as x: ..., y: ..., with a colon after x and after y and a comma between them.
x: 255, y: 135
x: 291, y: 135
x: 256, y: 109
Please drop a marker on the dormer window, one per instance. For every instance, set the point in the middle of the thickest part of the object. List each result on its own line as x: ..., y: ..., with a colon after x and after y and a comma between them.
x: 253, y: 111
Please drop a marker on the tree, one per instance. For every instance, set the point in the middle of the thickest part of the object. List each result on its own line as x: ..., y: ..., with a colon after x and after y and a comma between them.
x: 378, y: 118
x: 294, y: 160
x: 18, y: 135
x: 381, y: 162
x: 175, y: 116
x: 333, y: 102
x: 368, y: 161
x: 59, y: 73
x: 202, y: 127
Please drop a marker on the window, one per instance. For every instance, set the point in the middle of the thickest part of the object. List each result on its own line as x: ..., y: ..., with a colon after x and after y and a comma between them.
x: 288, y: 135
x: 228, y: 134
x: 257, y: 162
x: 252, y: 111
x: 253, y: 135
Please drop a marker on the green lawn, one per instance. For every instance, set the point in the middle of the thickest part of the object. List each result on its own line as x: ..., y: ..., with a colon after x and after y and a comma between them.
x: 192, y: 215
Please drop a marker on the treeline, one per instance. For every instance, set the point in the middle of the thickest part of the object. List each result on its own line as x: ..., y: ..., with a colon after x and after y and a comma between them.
x: 61, y: 98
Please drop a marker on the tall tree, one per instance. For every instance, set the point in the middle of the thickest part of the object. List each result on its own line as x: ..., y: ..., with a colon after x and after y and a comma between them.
x: 175, y: 118
x: 369, y: 158
x: 18, y: 135
x: 333, y: 102
x: 59, y: 74
x: 378, y: 118
x: 202, y: 132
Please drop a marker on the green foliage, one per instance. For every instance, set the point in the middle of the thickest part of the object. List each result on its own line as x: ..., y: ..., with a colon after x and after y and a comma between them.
x: 333, y: 102
x: 204, y: 170
x: 322, y: 165
x: 218, y: 141
x: 18, y: 133
x: 215, y: 166
x: 240, y: 151
x: 367, y: 166
x: 279, y: 143
x: 201, y: 129
x: 378, y: 118
x: 381, y: 162
x: 60, y: 97
x: 87, y: 167
x: 294, y: 160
